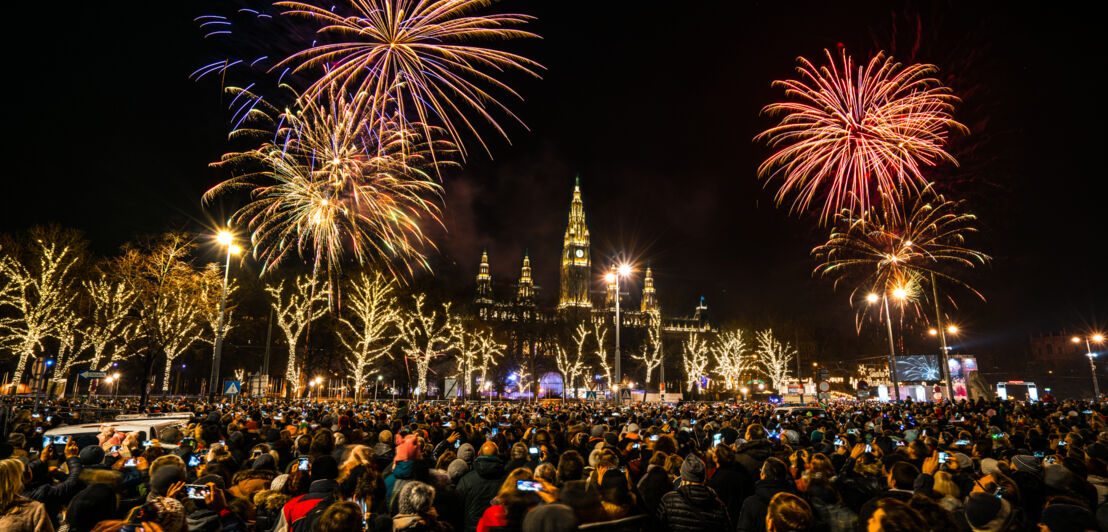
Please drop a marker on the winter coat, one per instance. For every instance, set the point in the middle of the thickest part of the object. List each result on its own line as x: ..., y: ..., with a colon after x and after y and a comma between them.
x: 478, y: 487
x: 401, y: 471
x: 653, y: 485
x: 299, y: 506
x: 249, y: 482
x: 857, y: 490
x: 418, y: 523
x: 693, y: 507
x: 835, y: 517
x: 752, y: 454
x: 269, y: 504
x: 55, y: 496
x: 733, y: 485
x: 752, y: 517
x: 25, y: 515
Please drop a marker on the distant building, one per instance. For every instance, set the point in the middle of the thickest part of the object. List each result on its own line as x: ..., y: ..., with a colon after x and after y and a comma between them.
x: 575, y: 300
x: 1055, y: 348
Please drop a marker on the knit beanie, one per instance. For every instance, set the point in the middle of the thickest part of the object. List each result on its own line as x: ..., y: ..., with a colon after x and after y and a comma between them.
x: 456, y: 469
x: 988, y: 513
x: 324, y: 468
x: 550, y: 518
x: 91, y: 455
x: 408, y: 449
x: 693, y: 469
x: 164, y: 478
x: 90, y: 506
x: 1027, y: 464
x: 416, y: 498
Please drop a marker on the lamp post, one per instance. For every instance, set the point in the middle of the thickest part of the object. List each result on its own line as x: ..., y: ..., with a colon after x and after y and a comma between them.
x: 901, y: 294
x: 319, y: 389
x: 1098, y: 338
x: 375, y: 386
x: 225, y: 239
x: 941, y: 333
x: 623, y: 270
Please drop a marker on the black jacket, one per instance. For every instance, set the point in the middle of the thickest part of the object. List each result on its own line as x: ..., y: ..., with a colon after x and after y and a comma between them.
x: 478, y: 487
x: 752, y: 517
x: 733, y: 485
x: 752, y: 454
x: 55, y: 496
x: 856, y: 490
x: 693, y: 508
x: 653, y: 486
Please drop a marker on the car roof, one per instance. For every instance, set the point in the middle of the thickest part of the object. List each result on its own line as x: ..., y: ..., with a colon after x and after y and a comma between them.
x: 131, y: 424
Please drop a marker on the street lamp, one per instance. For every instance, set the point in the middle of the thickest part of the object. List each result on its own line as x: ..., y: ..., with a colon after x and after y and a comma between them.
x: 900, y: 293
x: 1098, y: 338
x: 225, y: 238
x: 623, y: 270
x: 375, y: 386
x: 319, y: 388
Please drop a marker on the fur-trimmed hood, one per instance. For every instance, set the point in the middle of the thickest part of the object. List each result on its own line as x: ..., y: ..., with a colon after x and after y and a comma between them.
x: 271, y: 500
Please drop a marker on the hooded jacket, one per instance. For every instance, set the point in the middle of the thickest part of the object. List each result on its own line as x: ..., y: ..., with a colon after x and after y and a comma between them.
x: 478, y: 487
x: 693, y: 508
x: 752, y: 454
x: 752, y: 517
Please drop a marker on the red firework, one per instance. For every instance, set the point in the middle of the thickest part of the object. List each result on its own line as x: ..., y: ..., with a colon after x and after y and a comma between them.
x: 849, y: 132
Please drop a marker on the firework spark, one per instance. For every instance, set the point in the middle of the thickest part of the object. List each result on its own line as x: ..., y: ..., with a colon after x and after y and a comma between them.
x: 898, y: 247
x: 327, y: 183
x: 416, y: 53
x: 847, y: 133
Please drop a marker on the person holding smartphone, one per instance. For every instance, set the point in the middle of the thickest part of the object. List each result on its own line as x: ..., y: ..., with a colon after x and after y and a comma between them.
x: 55, y: 495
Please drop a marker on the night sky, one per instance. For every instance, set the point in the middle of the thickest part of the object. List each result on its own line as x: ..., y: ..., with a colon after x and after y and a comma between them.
x: 654, y: 106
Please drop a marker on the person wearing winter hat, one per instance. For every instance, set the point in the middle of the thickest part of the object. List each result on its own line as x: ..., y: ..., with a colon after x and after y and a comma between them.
x: 90, y: 506
x: 1067, y: 518
x: 467, y: 453
x: 456, y: 470
x: 694, y: 506
x: 92, y: 456
x: 1027, y: 464
x: 416, y: 510
x: 550, y: 518
x: 988, y: 513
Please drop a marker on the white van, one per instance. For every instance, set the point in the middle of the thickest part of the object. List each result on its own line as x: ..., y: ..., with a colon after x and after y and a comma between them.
x: 152, y: 424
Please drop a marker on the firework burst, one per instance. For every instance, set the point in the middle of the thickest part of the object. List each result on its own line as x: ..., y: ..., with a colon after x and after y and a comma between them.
x: 416, y: 53
x: 328, y: 183
x: 897, y: 248
x: 848, y: 133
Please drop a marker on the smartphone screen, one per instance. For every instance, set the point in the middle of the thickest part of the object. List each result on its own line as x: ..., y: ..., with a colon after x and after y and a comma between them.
x: 495, y: 430
x: 654, y: 437
x: 534, y: 450
x: 131, y: 462
x: 869, y: 448
x: 147, y: 443
x: 195, y: 460
x: 528, y: 485
x: 115, y: 448
x: 716, y: 439
x: 634, y: 446
x: 943, y: 457
x: 46, y: 442
x: 197, y: 491
x: 61, y: 440
x: 303, y: 464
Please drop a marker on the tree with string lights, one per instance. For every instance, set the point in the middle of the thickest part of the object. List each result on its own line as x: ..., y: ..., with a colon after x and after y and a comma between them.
x: 109, y: 326
x: 477, y: 349
x: 600, y: 332
x: 370, y: 331
x: 652, y: 353
x: 695, y: 360
x: 732, y: 361
x: 570, y: 366
x: 774, y: 357
x: 426, y: 334
x: 38, y: 289
x: 295, y: 305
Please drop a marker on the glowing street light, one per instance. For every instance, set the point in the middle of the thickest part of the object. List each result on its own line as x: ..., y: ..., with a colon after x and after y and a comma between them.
x: 1098, y: 338
x: 226, y: 239
x: 933, y: 332
x: 953, y: 329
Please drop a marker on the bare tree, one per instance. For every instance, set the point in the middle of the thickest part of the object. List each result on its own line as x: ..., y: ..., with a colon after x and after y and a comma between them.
x: 295, y: 306
x: 71, y: 343
x: 652, y: 354
x: 695, y: 360
x: 425, y: 335
x: 488, y: 350
x: 731, y: 357
x: 774, y: 357
x: 570, y: 366
x: 369, y: 334
x: 213, y: 279
x: 38, y: 277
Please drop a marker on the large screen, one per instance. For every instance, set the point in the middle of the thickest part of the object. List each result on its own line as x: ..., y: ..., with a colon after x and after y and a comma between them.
x: 961, y: 365
x: 916, y: 368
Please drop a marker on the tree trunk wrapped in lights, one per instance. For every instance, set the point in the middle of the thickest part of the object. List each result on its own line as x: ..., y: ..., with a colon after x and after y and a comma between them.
x: 477, y: 348
x: 695, y: 360
x: 601, y: 332
x: 425, y: 335
x: 38, y: 289
x: 369, y: 333
x: 774, y: 357
x: 295, y: 305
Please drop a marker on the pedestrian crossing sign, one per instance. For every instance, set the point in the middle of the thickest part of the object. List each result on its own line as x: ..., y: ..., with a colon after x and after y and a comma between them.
x: 231, y: 387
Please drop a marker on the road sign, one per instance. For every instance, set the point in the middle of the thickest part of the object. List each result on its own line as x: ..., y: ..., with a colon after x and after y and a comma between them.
x: 92, y: 374
x: 259, y: 385
x: 824, y: 374
x: 231, y: 387
x: 824, y: 386
x: 38, y: 369
x: 590, y: 395
x: 450, y: 388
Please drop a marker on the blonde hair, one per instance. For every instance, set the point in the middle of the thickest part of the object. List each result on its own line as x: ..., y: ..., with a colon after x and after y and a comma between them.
x: 11, y: 482
x: 945, y: 485
x: 509, y: 485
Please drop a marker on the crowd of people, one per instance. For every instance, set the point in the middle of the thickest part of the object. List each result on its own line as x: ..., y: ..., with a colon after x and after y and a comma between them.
x: 288, y: 466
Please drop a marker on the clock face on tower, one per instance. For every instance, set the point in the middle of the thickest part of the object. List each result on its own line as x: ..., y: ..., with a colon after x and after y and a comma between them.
x: 580, y: 253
